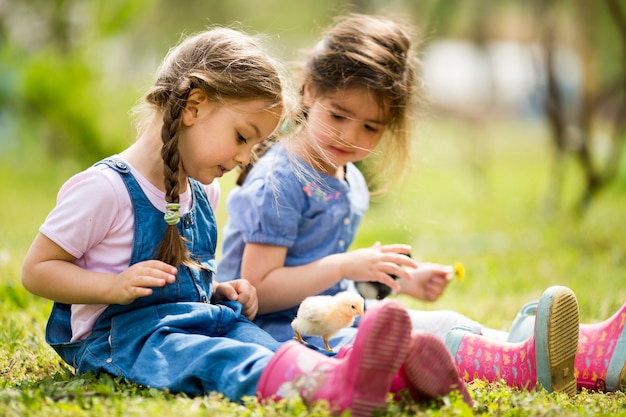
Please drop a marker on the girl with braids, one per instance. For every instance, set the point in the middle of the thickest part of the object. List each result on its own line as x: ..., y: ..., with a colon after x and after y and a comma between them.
x: 127, y: 254
x: 297, y: 210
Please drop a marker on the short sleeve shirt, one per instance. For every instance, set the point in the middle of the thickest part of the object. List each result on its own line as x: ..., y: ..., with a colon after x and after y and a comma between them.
x: 285, y: 202
x: 93, y: 221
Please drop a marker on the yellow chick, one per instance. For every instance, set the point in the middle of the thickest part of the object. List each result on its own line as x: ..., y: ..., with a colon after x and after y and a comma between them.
x: 325, y: 315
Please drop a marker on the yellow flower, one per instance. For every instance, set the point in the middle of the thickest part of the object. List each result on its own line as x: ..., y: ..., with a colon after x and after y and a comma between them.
x: 459, y: 271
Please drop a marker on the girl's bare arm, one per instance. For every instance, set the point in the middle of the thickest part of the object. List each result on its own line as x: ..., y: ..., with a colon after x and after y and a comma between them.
x: 49, y: 271
x: 279, y: 287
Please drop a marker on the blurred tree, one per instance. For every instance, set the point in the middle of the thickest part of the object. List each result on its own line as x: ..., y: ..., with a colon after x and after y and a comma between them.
x: 69, y: 69
x: 587, y: 118
x: 66, y: 65
x: 51, y: 91
x: 599, y: 39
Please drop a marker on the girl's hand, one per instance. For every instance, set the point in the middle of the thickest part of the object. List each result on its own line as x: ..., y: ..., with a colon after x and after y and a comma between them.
x: 50, y: 271
x: 428, y: 281
x: 138, y: 281
x: 377, y: 263
x: 239, y: 290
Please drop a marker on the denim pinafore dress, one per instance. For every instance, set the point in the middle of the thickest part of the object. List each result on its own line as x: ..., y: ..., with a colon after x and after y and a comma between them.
x: 174, y: 339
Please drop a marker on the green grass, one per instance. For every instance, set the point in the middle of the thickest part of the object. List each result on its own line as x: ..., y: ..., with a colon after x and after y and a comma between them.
x: 474, y: 196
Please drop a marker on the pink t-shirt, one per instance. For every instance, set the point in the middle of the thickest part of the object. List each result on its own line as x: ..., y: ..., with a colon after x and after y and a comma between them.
x: 93, y: 221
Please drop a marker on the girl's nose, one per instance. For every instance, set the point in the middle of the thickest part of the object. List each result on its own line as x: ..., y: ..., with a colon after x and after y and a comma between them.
x: 243, y: 157
x: 349, y: 135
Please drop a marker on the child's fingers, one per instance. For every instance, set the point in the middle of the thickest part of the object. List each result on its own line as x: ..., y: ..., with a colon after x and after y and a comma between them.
x: 387, y: 279
x: 148, y: 282
x: 399, y: 261
x: 396, y: 248
x: 228, y: 291
x: 157, y: 269
x: 160, y: 266
x: 141, y: 292
x: 406, y: 261
x: 148, y: 274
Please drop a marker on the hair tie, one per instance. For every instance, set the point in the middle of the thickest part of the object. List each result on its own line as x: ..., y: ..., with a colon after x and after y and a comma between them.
x: 287, y: 127
x: 171, y: 214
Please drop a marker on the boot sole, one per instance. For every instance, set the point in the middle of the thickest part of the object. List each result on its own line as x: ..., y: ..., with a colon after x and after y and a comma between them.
x: 382, y: 352
x: 556, y: 337
x: 431, y: 369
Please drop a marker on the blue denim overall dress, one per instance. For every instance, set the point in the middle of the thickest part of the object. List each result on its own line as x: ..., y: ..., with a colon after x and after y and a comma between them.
x: 174, y: 339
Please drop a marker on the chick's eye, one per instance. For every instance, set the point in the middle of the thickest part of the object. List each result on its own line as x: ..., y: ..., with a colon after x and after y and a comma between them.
x: 353, y: 307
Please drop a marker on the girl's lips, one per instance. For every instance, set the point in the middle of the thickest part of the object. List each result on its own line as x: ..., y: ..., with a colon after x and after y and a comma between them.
x: 340, y: 151
x: 221, y: 171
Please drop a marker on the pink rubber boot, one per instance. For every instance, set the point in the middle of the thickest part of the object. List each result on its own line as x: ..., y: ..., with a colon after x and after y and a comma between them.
x: 601, y: 357
x: 428, y: 371
x: 358, y: 382
x: 546, y: 357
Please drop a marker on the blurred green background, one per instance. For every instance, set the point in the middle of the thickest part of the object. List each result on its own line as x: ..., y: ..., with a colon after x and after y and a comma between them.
x: 518, y: 170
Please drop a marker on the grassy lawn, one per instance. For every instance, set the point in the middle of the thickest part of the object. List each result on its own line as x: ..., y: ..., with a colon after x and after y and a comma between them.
x: 475, y: 196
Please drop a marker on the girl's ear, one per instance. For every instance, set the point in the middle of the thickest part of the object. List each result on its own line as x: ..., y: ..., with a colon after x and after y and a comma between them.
x: 195, y: 100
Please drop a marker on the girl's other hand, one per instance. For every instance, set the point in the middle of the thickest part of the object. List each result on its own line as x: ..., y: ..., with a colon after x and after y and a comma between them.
x: 239, y: 290
x: 428, y: 281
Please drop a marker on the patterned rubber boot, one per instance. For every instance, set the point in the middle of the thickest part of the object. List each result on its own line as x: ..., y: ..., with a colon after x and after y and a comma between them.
x: 524, y: 323
x: 601, y: 357
x: 545, y: 358
x: 428, y: 371
x: 358, y: 382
